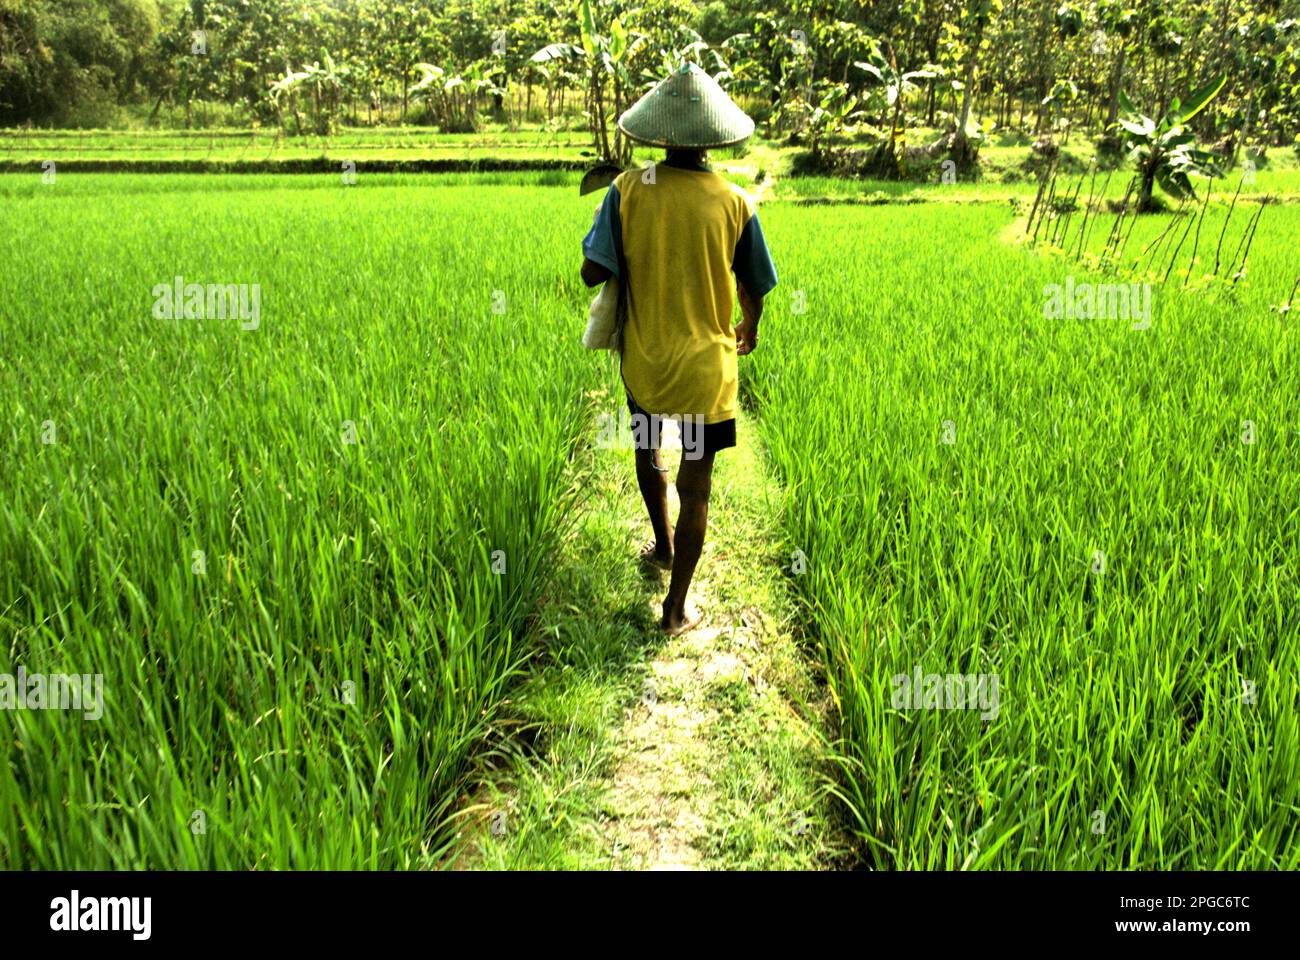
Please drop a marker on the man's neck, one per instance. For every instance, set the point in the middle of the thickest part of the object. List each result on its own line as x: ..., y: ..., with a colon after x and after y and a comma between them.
x: 686, y: 161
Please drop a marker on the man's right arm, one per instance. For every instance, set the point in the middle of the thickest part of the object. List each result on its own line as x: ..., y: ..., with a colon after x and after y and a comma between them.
x: 755, y: 278
x: 593, y: 273
x: 600, y: 246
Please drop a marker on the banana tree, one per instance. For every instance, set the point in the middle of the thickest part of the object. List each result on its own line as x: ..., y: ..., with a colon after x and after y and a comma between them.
x: 550, y: 63
x: 328, y: 81
x: 1164, y: 151
x: 615, y: 57
x: 744, y: 71
x: 784, y: 60
x: 897, y: 85
x: 832, y: 116
x: 453, y: 98
x: 440, y: 91
x: 689, y: 47
x: 285, y: 89
x: 605, y: 53
x: 695, y: 50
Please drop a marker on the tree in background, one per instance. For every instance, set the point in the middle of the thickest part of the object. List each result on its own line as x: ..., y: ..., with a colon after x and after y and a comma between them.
x: 992, y: 64
x: 965, y: 145
x: 73, y: 62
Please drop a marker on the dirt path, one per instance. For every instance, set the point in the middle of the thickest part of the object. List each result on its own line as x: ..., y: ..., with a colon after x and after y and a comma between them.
x: 631, y: 750
x: 717, y: 700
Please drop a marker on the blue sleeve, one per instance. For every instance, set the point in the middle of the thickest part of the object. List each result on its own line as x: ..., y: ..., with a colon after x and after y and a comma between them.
x: 604, y: 240
x: 752, y: 263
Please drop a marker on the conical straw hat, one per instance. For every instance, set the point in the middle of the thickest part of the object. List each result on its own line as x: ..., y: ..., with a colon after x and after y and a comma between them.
x: 687, y: 109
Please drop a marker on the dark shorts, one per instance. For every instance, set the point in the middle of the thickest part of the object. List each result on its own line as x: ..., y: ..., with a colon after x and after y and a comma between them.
x: 696, y: 437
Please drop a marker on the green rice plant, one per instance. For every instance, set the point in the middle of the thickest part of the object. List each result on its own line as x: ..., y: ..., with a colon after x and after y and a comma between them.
x: 302, y: 554
x: 1097, y: 512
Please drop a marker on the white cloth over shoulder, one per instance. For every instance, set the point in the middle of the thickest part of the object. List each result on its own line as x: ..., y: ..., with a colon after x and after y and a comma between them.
x: 602, y: 319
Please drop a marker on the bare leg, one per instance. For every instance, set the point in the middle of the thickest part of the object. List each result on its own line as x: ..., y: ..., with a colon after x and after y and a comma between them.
x: 694, y: 482
x: 654, y: 491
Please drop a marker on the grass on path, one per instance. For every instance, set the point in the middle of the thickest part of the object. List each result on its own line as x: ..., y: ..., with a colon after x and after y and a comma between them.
x: 625, y: 749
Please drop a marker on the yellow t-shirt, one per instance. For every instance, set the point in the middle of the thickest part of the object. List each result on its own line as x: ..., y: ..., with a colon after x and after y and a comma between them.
x: 682, y: 232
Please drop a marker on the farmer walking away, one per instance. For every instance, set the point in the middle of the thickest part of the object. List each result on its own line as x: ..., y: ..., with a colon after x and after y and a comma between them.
x: 672, y: 234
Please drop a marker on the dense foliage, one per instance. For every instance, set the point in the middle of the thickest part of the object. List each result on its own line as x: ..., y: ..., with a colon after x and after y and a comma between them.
x: 1035, y: 65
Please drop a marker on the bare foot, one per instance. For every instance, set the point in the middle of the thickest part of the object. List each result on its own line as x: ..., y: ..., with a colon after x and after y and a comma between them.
x: 677, y: 622
x: 651, y: 554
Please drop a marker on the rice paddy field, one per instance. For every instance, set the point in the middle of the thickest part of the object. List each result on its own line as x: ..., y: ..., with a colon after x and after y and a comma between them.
x: 1068, y: 504
x: 302, y: 555
x: 241, y: 143
x: 310, y: 545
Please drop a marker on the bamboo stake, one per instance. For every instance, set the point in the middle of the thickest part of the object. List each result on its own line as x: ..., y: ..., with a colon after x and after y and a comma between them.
x: 1119, y: 254
x: 1155, y: 244
x: 1087, y: 212
x: 1047, y: 210
x: 1190, y: 220
x: 1083, y: 243
x: 1242, y: 269
x: 1042, y: 185
x: 1069, y: 213
x: 1291, y: 299
x: 1244, y: 234
x: 1231, y: 207
x: 1060, y: 219
x: 1054, y: 216
x: 1116, y: 230
x: 1196, y: 244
